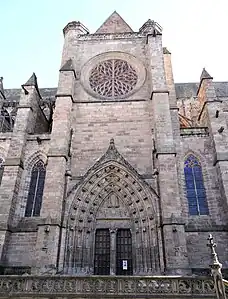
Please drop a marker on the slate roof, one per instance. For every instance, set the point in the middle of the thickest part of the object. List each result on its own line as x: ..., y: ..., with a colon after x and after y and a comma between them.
x: 13, y: 94
x: 188, y: 90
x: 221, y: 89
x: 183, y: 90
x: 68, y: 66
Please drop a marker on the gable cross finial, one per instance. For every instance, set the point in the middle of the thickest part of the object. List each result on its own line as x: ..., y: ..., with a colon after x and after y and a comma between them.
x: 112, y: 141
x: 112, y: 152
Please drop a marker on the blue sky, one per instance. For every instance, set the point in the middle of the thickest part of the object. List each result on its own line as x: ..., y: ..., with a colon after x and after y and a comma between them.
x: 195, y: 31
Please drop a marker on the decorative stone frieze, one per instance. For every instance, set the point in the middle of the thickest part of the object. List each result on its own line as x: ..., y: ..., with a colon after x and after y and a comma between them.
x: 107, y: 286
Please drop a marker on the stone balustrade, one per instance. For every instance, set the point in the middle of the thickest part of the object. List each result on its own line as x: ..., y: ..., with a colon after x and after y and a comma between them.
x: 203, y: 131
x: 107, y: 286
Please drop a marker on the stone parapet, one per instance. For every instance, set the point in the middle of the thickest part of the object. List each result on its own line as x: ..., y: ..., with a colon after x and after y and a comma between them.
x: 107, y: 286
x: 203, y: 131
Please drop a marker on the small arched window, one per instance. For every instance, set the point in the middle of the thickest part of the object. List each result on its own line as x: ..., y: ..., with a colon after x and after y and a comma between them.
x: 1, y: 169
x: 196, y: 194
x: 36, y: 188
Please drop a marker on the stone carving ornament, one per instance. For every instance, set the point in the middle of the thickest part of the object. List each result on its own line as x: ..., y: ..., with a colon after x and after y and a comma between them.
x: 112, y: 75
x: 113, y: 78
x: 87, y: 286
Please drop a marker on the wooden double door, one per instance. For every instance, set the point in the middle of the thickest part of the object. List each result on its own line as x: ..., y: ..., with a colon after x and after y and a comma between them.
x: 122, y: 252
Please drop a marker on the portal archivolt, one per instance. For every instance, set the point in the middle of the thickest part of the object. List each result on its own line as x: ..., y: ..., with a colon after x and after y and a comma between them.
x: 114, y: 202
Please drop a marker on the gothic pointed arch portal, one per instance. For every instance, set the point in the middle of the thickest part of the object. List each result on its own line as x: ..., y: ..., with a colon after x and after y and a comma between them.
x: 112, y: 223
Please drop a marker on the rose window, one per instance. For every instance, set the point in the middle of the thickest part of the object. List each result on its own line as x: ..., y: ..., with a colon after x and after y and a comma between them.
x: 113, y: 78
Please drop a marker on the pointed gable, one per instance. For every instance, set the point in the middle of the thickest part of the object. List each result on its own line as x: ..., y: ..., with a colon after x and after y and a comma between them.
x: 205, y: 75
x: 32, y: 81
x: 114, y: 24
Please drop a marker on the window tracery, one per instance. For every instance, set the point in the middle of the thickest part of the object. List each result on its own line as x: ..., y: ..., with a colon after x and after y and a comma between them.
x: 36, y: 188
x: 113, y: 78
x: 196, y: 193
x: 7, y: 119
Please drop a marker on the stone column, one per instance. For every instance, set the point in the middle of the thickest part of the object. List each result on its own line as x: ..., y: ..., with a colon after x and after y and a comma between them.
x: 113, y: 233
x: 25, y: 122
x: 170, y: 203
x: 172, y: 98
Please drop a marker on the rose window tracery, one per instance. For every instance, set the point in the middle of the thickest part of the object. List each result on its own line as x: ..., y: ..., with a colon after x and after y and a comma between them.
x: 113, y: 78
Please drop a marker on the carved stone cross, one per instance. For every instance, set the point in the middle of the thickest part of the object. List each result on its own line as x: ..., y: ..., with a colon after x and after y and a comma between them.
x: 212, y: 246
x: 216, y: 272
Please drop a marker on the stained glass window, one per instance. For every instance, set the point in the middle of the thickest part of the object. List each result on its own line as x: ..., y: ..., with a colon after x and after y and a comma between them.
x: 36, y: 188
x: 196, y: 194
x: 113, y: 78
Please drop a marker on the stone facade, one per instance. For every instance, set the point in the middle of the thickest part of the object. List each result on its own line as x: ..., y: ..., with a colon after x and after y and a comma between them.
x: 112, y: 141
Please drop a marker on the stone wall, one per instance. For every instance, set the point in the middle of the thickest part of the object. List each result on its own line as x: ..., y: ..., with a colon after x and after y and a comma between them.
x: 198, y: 254
x: 201, y: 147
x: 137, y: 122
x: 42, y: 125
x: 199, y: 227
x: 94, y: 124
x: 21, y: 249
x: 34, y: 151
x: 4, y: 144
x: 85, y: 52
